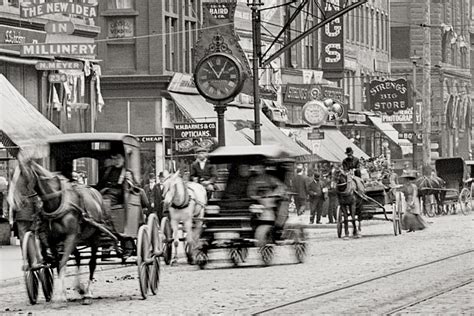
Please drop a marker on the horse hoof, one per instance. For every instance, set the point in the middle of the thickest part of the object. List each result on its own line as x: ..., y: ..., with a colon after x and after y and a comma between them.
x: 174, y: 263
x: 87, y: 301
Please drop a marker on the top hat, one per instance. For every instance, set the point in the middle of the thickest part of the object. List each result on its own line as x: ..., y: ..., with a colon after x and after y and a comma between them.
x: 349, y: 150
x: 201, y: 150
x: 409, y: 174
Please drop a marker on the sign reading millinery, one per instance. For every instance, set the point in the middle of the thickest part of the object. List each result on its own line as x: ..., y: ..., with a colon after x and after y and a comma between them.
x: 195, y: 130
x: 31, y: 10
x: 316, y: 134
x: 57, y: 78
x: 150, y: 138
x: 389, y: 96
x: 58, y: 49
x: 332, y: 38
x: 54, y: 27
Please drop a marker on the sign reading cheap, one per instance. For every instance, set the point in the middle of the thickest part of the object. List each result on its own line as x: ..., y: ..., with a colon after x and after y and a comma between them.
x: 30, y: 10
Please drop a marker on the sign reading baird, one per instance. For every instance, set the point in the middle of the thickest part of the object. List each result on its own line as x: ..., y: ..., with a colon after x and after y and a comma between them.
x: 195, y: 130
x: 388, y: 96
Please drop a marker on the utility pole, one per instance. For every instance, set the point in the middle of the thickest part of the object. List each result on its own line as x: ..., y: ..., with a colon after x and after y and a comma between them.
x: 415, y: 132
x: 426, y: 112
x: 256, y: 32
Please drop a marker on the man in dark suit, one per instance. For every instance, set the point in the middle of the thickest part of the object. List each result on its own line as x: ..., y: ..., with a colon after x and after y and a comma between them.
x: 317, y: 195
x: 351, y: 163
x: 203, y: 172
x: 153, y: 192
x: 300, y: 186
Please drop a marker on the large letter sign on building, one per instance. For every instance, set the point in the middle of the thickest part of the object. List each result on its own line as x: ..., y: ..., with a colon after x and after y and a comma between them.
x: 388, y: 96
x: 333, y: 42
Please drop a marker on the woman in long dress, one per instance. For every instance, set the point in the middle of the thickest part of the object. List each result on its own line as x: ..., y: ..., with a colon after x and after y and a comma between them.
x: 412, y: 219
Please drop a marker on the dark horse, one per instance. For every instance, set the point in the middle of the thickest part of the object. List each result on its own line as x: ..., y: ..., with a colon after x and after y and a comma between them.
x: 71, y: 215
x: 431, y: 186
x: 349, y: 201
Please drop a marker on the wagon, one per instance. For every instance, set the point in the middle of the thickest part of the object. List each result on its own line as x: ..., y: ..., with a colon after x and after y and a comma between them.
x: 457, y: 193
x: 235, y: 222
x: 89, y: 152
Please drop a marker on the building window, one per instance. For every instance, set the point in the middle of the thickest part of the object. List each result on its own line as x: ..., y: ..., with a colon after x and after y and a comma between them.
x: 120, y: 4
x: 357, y: 23
x: 171, y: 43
x: 372, y: 31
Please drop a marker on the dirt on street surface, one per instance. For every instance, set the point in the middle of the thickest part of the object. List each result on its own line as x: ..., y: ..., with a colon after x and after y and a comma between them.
x: 331, y: 263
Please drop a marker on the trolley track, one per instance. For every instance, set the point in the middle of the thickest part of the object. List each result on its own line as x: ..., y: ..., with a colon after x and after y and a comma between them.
x: 429, y: 297
x: 339, y: 289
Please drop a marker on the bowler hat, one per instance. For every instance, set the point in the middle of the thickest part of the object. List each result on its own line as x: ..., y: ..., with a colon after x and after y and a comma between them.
x: 349, y: 150
x: 409, y: 174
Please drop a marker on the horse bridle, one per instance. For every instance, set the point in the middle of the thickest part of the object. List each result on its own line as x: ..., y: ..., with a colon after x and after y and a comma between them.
x: 46, y: 196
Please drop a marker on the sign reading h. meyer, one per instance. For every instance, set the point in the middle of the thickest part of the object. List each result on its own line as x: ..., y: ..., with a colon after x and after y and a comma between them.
x: 30, y: 10
x: 332, y: 38
x: 195, y: 130
x: 58, y: 49
x: 388, y: 96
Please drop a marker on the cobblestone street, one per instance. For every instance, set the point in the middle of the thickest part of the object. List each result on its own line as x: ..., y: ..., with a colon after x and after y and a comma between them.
x: 331, y: 263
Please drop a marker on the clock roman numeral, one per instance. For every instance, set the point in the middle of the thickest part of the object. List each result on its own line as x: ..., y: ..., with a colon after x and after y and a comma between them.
x: 233, y: 76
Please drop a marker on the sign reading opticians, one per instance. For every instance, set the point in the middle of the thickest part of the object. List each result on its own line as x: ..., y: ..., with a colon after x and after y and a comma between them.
x: 389, y: 96
x: 195, y: 130
x: 58, y: 49
x: 34, y: 9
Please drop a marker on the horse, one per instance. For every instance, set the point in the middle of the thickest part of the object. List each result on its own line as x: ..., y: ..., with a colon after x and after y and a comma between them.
x: 348, y: 191
x: 431, y: 186
x: 65, y: 216
x: 185, y: 202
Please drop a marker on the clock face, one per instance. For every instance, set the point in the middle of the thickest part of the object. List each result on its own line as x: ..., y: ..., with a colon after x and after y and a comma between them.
x: 315, y: 113
x: 219, y: 77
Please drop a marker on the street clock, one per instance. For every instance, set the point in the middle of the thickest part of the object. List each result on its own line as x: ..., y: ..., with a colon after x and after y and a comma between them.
x: 219, y: 77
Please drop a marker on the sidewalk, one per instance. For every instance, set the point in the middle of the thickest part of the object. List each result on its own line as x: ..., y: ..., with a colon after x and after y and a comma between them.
x: 10, y: 264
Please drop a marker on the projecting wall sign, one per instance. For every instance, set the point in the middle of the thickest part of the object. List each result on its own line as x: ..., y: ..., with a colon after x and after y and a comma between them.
x: 332, y: 38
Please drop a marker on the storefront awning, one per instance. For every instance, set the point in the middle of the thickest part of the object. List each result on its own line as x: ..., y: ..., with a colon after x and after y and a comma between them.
x: 239, y: 122
x: 388, y: 130
x: 332, y: 148
x: 20, y: 122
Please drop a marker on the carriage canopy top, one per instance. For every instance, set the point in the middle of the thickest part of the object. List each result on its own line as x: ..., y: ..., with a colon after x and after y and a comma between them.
x: 450, y: 169
x: 246, y: 154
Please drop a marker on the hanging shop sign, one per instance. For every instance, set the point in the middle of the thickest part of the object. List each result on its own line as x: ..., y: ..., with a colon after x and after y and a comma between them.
x: 195, y: 130
x: 389, y: 96
x: 150, y: 138
x: 356, y: 118
x: 332, y: 38
x: 31, y: 10
x: 316, y: 134
x: 401, y: 117
x: 302, y: 93
x: 410, y: 136
x: 57, y: 65
x: 58, y: 49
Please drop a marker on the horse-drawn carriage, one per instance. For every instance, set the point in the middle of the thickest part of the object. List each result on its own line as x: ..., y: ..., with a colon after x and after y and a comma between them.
x: 236, y: 220
x: 89, y: 228
x: 466, y: 196
x: 371, y: 201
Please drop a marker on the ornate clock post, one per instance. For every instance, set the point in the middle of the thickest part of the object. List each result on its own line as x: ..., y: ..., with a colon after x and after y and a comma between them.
x: 219, y: 77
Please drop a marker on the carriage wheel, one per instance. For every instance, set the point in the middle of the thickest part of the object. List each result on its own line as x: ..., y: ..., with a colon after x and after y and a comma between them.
x: 202, y: 259
x: 397, y: 215
x: 154, y: 275
x: 465, y: 201
x: 46, y: 277
x: 267, y: 253
x: 155, y: 236
x: 30, y: 260
x: 167, y: 240
x: 143, y: 255
x: 339, y: 221
x: 235, y: 255
x: 300, y: 244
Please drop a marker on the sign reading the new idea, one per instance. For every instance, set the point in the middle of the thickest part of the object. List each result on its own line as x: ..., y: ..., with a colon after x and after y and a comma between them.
x: 389, y: 96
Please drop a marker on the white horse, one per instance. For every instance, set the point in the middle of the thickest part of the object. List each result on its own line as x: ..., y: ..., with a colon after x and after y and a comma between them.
x: 185, y: 202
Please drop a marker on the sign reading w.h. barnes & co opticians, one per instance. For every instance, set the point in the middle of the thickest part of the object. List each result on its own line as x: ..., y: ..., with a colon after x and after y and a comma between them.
x: 388, y: 96
x: 195, y: 130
